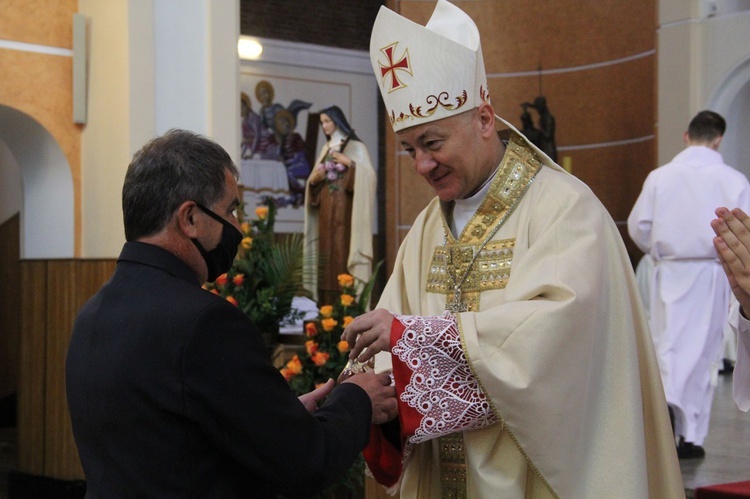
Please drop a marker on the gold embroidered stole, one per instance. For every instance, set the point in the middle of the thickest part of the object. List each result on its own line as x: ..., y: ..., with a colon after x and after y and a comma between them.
x: 457, y: 262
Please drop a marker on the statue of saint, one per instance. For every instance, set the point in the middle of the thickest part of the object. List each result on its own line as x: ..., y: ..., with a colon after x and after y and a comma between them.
x: 543, y: 134
x: 339, y: 210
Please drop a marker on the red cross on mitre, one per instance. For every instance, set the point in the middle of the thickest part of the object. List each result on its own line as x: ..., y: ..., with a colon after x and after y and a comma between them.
x: 392, y: 65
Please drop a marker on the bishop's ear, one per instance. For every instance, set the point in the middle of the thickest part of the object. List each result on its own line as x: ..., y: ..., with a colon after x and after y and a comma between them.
x: 486, y: 118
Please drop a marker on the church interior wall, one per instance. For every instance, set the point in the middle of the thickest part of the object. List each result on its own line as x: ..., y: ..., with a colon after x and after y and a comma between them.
x: 107, y: 142
x: 609, y: 71
x: 703, y: 53
x: 10, y: 179
x: 37, y: 78
x: 737, y: 145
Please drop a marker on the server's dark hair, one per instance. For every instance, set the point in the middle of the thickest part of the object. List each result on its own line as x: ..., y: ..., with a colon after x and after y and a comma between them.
x: 706, y: 126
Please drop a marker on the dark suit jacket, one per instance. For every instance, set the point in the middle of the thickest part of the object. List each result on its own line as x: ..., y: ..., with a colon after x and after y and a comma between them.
x: 172, y: 394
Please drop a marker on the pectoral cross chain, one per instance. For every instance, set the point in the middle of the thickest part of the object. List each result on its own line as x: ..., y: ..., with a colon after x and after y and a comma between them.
x: 456, y: 305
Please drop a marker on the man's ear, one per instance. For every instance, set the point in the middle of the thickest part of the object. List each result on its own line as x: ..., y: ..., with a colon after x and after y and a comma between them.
x: 187, y: 219
x: 486, y: 119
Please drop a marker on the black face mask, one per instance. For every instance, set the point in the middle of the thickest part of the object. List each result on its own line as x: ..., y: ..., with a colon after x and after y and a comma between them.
x: 219, y: 260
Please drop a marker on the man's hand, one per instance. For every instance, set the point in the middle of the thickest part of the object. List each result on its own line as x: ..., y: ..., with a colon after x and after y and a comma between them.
x: 311, y: 399
x: 732, y: 243
x: 372, y: 331
x: 382, y: 395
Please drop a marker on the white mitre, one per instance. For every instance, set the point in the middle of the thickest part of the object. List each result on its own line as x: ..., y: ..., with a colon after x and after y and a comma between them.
x: 431, y: 72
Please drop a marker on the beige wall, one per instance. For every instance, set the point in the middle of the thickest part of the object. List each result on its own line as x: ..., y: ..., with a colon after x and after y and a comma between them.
x: 698, y: 53
x: 106, y: 139
x: 127, y: 107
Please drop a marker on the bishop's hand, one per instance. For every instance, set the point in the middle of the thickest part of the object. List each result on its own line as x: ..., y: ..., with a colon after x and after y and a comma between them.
x: 370, y: 331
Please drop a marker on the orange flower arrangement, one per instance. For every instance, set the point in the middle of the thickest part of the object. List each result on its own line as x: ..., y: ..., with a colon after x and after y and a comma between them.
x: 265, y: 276
x: 325, y: 355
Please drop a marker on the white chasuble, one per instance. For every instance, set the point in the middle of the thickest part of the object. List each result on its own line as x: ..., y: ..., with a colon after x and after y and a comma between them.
x: 556, y: 390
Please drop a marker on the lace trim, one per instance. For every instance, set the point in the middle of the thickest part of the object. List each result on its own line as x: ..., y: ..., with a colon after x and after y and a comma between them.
x: 442, y: 387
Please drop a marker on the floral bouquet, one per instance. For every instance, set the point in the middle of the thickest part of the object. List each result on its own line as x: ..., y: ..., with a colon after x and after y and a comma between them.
x: 325, y: 357
x: 265, y: 275
x: 333, y: 171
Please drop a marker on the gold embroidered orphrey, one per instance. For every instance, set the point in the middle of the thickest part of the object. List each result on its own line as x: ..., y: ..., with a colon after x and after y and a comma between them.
x: 453, y: 272
x: 463, y: 268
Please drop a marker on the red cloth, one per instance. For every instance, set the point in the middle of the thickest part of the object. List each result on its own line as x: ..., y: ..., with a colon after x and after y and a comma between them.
x: 734, y: 490
x: 383, y: 458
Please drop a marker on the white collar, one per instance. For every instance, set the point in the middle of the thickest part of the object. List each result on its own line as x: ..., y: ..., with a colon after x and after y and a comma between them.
x: 464, y: 209
x: 337, y: 138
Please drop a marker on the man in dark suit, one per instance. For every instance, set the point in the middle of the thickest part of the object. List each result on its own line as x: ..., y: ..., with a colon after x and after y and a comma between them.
x: 170, y: 388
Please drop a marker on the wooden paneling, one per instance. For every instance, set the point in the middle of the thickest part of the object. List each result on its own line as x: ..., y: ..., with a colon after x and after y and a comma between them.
x: 10, y: 306
x: 55, y: 291
x: 605, y: 104
x: 31, y: 393
x: 518, y: 35
x: 615, y: 173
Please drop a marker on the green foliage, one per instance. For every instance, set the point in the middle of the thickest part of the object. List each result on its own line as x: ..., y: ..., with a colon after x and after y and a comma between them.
x: 266, y: 274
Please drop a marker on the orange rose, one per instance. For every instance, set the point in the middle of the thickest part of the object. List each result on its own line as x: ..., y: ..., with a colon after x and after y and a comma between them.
x: 238, y: 279
x: 311, y: 329
x: 345, y: 280
x: 347, y: 300
x: 311, y: 346
x: 286, y: 373
x: 221, y: 280
x: 328, y: 324
x: 294, y: 365
x: 231, y: 300
x: 261, y: 212
x: 343, y: 346
x: 326, y: 310
x: 245, y: 226
x: 348, y: 320
x: 247, y: 243
x: 320, y: 358
x: 215, y: 291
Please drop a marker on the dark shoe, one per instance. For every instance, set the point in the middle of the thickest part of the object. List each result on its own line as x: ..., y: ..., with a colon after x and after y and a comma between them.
x: 728, y: 367
x: 687, y: 450
x: 671, y: 417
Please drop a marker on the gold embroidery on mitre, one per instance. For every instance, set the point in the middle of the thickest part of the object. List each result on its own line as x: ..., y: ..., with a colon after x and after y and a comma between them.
x: 442, y: 99
x: 484, y: 93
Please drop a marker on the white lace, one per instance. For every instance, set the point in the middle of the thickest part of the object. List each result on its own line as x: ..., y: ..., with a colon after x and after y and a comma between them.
x: 442, y: 387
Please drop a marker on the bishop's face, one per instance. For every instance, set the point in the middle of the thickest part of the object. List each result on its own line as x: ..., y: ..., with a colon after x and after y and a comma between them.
x: 446, y: 154
x: 327, y: 124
